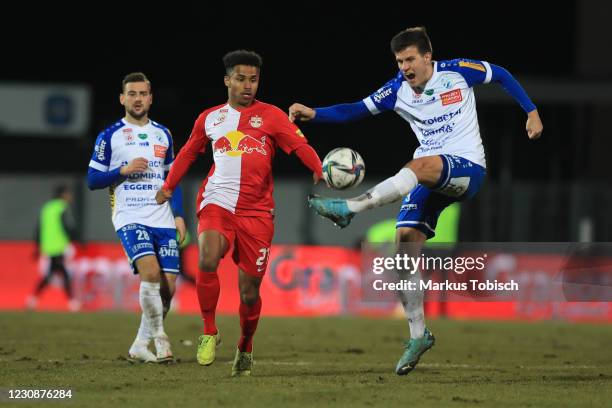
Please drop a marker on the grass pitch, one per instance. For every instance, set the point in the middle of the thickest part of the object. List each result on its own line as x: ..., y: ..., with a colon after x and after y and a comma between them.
x: 310, y: 362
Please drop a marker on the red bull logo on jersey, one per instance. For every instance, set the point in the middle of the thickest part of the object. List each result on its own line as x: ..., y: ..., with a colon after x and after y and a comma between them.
x: 236, y: 143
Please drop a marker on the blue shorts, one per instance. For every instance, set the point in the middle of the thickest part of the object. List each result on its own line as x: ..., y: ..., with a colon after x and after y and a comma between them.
x: 139, y: 240
x: 460, y: 179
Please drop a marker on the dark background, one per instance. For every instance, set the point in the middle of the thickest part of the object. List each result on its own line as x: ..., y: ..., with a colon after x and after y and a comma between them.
x: 317, y: 53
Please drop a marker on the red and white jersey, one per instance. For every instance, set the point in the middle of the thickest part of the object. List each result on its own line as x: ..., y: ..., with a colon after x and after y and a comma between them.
x: 244, y: 143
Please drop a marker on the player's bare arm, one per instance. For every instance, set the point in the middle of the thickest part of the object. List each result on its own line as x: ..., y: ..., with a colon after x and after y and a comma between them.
x: 301, y: 112
x: 180, y: 228
x: 534, y: 125
x: 138, y: 165
x: 162, y: 196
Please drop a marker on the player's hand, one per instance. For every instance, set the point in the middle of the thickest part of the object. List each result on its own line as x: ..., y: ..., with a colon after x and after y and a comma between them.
x: 316, y: 178
x: 180, y: 228
x: 138, y: 165
x: 301, y: 112
x: 534, y: 125
x: 163, y: 195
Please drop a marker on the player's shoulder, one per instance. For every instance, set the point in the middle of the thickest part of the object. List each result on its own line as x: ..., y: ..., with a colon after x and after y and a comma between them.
x: 268, y: 113
x: 268, y: 109
x: 160, y: 126
x: 461, y: 65
x: 396, y: 82
x: 387, y: 94
x: 111, y: 129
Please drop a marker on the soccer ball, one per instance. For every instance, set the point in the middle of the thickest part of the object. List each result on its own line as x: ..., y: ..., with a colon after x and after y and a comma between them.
x: 343, y: 168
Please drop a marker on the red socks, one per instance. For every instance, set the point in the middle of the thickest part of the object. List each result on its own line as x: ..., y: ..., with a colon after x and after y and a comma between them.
x: 249, y: 317
x: 207, y: 284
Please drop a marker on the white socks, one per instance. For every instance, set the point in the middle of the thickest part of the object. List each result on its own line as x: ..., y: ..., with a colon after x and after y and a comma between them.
x: 151, y: 323
x: 144, y: 332
x: 412, y: 301
x: 390, y: 190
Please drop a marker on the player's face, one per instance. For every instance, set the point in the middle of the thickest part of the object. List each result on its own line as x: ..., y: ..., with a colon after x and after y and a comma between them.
x: 416, y: 67
x: 137, y: 99
x: 242, y: 85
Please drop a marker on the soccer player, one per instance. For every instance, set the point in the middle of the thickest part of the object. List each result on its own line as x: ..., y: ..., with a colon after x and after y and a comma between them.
x: 54, y: 231
x: 131, y: 157
x: 437, y: 100
x: 235, y: 204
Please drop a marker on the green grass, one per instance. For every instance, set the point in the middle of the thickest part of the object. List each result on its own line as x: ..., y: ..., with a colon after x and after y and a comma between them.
x: 311, y: 362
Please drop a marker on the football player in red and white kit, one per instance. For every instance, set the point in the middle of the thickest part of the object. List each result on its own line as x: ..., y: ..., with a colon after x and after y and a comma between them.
x: 235, y: 204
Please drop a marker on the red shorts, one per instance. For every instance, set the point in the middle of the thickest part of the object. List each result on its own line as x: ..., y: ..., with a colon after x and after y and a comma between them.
x: 251, y: 237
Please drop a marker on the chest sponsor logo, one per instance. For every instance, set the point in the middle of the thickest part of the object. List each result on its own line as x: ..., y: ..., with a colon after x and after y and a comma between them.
x: 221, y: 117
x: 448, y: 98
x: 236, y: 143
x: 142, y: 136
x: 256, y: 121
x: 160, y: 151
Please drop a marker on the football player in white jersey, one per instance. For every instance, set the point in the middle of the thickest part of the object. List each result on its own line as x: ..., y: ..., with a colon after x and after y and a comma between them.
x: 132, y: 158
x: 437, y: 100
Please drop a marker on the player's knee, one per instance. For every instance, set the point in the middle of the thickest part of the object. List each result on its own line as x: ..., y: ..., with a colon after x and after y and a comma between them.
x: 427, y: 169
x: 208, y: 262
x: 249, y: 295
x: 150, y: 273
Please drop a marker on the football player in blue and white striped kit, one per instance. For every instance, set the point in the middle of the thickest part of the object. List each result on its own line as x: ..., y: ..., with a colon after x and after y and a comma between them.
x: 132, y: 158
x: 437, y: 100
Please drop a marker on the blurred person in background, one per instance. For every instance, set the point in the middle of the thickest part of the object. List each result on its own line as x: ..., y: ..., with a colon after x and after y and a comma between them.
x: 132, y: 158
x: 54, y: 232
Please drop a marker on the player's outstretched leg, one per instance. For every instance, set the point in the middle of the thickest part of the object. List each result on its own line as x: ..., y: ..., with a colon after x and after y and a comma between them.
x: 341, y: 211
x: 333, y: 208
x: 415, y: 348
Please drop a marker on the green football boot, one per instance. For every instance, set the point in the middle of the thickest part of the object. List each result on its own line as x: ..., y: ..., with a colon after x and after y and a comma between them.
x: 207, y: 345
x: 415, y: 348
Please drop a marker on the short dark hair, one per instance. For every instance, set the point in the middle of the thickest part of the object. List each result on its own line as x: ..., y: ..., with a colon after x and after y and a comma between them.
x: 241, y: 57
x: 134, y: 77
x: 416, y: 36
x: 60, y: 190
